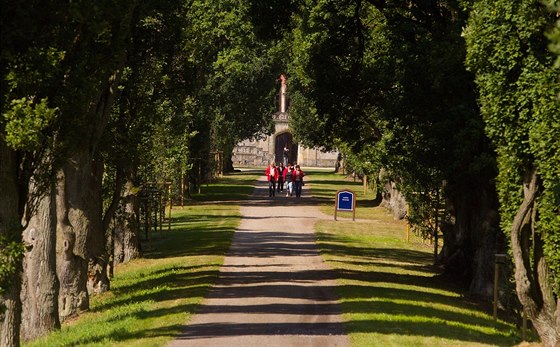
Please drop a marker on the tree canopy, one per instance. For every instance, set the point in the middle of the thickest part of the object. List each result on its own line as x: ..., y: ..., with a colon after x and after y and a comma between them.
x: 519, y: 89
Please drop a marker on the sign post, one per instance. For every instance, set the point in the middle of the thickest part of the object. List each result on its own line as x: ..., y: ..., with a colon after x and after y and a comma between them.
x: 345, y: 201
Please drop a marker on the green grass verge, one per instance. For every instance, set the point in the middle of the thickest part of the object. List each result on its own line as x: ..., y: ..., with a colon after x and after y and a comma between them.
x: 390, y: 294
x: 324, y: 185
x: 152, y: 297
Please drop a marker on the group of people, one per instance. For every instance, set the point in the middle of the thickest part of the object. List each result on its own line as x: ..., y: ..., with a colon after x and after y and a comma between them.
x: 290, y: 175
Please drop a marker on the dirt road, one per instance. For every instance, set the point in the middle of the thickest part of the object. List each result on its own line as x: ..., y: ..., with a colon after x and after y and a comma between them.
x: 273, y: 289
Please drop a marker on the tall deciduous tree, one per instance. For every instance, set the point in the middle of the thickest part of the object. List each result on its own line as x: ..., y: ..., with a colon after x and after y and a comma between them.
x: 147, y: 138
x: 68, y: 58
x: 26, y: 113
x: 387, y: 82
x: 518, y: 83
x: 93, y: 65
x: 233, y: 72
x: 11, y: 249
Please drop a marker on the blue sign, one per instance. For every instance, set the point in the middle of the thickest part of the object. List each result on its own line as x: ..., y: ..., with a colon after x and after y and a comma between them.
x: 345, y: 201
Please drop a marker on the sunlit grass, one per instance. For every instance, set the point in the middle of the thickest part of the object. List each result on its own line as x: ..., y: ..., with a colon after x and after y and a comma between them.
x: 324, y: 185
x: 152, y: 297
x: 390, y: 294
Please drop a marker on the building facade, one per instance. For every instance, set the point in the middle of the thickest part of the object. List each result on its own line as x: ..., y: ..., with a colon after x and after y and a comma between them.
x: 280, y: 146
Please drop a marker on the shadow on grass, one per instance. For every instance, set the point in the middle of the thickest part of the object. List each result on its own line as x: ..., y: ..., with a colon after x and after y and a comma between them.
x: 366, y: 297
x: 218, y: 193
x: 206, y: 240
x: 178, y: 221
x: 412, y: 310
x: 437, y: 328
x: 405, y: 288
x: 338, y: 246
x: 117, y: 333
x: 165, y: 286
x: 235, y: 186
x: 131, y: 306
x: 160, y: 277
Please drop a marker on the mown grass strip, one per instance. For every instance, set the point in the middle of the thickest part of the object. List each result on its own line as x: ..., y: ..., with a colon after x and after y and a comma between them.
x: 152, y: 297
x: 390, y: 293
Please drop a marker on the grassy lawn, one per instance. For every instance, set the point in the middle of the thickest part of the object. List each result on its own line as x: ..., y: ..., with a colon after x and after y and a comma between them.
x: 390, y: 294
x: 151, y: 298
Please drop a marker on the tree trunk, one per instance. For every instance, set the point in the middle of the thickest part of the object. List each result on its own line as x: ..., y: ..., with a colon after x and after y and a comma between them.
x: 40, y: 284
x: 88, y: 258
x: 83, y: 174
x: 11, y: 318
x: 472, y: 236
x: 10, y: 228
x: 71, y: 268
x: 98, y: 280
x: 531, y: 280
x: 127, y: 230
x: 227, y: 166
x: 110, y: 220
x: 393, y: 200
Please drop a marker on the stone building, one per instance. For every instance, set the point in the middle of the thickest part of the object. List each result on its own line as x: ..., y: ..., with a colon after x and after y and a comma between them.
x: 280, y: 145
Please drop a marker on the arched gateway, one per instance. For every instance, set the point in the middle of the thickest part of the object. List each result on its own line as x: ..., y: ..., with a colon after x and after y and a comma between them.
x: 286, y: 150
x: 281, y: 144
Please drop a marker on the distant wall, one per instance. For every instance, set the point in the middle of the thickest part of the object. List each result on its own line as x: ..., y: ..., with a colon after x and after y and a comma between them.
x: 309, y: 157
x: 262, y: 152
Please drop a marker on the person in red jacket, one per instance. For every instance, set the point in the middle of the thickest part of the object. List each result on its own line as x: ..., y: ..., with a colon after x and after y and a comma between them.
x: 297, y: 179
x: 271, y: 173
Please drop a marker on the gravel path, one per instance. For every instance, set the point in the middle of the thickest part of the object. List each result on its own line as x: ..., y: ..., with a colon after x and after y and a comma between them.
x: 273, y: 289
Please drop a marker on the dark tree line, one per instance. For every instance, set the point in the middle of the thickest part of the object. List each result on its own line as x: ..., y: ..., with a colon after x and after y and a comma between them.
x: 99, y: 98
x: 456, y: 104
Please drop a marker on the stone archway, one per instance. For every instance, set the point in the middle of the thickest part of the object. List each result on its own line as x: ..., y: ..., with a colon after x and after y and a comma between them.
x: 285, y: 139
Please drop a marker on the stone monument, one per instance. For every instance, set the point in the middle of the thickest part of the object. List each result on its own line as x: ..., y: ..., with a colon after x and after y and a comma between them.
x: 280, y: 146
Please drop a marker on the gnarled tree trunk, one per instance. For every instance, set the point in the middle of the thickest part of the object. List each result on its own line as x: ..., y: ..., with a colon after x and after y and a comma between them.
x: 531, y: 275
x: 472, y: 236
x: 394, y: 200
x: 127, y: 230
x: 40, y: 284
x: 87, y: 258
x: 71, y: 267
x: 82, y: 178
x: 98, y: 280
x: 10, y: 228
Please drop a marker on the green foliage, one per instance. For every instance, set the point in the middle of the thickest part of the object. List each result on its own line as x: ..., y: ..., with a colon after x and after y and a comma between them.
x: 387, y: 85
x: 25, y: 121
x: 519, y: 89
x: 237, y: 77
x: 151, y: 122
x: 11, y: 254
x: 554, y: 33
x: 331, y: 77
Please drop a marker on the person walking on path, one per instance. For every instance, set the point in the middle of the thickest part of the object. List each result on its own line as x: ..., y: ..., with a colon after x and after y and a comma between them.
x: 297, y: 178
x: 281, y: 178
x: 274, y: 288
x: 271, y: 173
x: 287, y: 175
